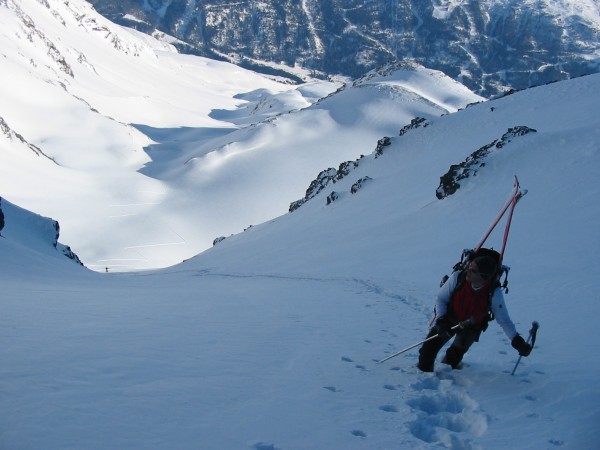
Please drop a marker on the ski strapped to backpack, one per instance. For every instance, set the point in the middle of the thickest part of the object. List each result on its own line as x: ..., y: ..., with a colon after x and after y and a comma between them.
x: 516, y: 195
x: 469, y: 255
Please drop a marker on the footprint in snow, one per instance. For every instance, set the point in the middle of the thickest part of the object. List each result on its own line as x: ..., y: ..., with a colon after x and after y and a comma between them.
x: 388, y: 408
x: 446, y: 414
x: 350, y: 360
x: 331, y: 388
x: 359, y: 433
x: 427, y: 383
x: 263, y: 446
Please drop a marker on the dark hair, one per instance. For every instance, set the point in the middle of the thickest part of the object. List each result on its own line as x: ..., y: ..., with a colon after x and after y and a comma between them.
x: 486, y: 266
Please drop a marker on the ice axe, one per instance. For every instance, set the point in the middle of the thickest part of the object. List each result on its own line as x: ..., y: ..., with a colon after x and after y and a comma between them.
x: 530, y: 340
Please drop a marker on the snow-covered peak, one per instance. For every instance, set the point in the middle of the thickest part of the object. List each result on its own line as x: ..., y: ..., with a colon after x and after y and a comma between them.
x: 490, y: 45
x: 573, y: 10
x: 276, y: 332
x: 524, y: 134
x: 134, y: 136
x: 562, y: 10
x: 431, y: 85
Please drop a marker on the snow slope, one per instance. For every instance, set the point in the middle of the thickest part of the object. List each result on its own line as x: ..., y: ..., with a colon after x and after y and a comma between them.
x: 270, y: 339
x: 151, y: 155
x: 34, y: 236
x: 72, y: 85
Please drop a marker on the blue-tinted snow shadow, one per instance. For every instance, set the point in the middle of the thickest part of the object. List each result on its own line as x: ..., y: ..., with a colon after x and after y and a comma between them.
x: 250, y: 99
x: 173, y: 146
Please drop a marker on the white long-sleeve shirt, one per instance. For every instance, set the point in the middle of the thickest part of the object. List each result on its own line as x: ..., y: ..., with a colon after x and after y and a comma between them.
x: 499, y: 309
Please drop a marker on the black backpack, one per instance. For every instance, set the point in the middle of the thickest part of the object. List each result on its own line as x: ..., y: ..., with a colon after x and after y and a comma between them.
x: 469, y: 255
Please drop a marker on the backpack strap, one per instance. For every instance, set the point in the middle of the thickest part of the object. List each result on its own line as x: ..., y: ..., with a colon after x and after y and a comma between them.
x: 504, y: 284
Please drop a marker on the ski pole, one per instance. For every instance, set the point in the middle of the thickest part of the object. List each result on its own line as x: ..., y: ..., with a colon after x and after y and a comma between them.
x: 531, y: 338
x: 460, y: 325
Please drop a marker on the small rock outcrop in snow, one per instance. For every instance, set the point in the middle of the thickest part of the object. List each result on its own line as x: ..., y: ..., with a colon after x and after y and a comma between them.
x: 332, y: 175
x: 323, y: 180
x: 415, y: 123
x: 449, y: 182
x: 359, y: 184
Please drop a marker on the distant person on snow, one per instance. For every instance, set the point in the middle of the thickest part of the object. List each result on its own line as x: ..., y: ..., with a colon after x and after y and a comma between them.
x: 471, y: 295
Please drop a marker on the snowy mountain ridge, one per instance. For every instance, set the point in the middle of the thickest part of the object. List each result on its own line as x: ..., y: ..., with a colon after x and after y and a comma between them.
x: 277, y: 331
x: 490, y: 46
x: 138, y: 137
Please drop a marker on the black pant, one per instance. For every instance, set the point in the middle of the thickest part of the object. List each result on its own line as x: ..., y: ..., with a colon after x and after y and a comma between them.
x: 462, y: 342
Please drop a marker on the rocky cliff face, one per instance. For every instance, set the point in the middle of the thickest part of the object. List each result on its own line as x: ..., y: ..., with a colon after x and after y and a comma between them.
x: 487, y: 45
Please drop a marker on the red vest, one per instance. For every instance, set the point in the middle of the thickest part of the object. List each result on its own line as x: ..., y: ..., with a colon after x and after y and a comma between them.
x: 467, y: 302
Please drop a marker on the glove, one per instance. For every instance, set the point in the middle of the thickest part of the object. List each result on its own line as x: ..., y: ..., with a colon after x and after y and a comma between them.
x: 443, y: 328
x: 521, y: 346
